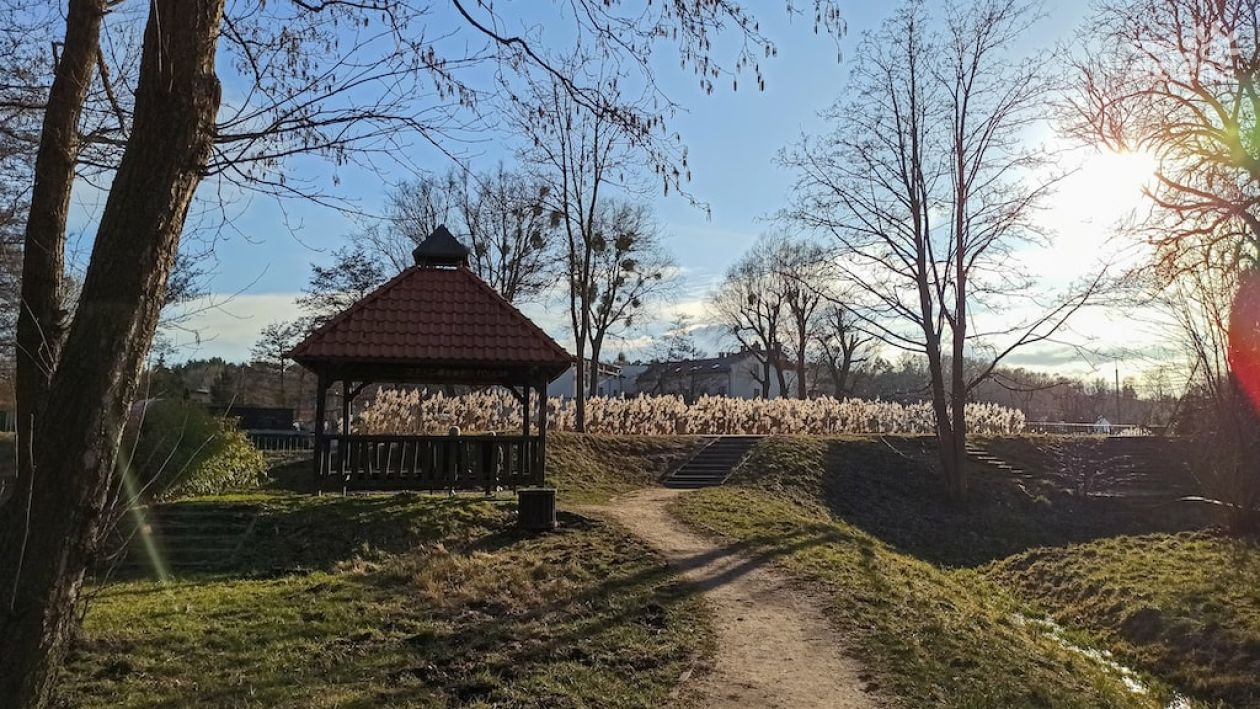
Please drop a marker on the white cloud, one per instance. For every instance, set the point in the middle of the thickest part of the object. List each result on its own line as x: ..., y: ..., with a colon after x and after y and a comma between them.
x: 227, y: 325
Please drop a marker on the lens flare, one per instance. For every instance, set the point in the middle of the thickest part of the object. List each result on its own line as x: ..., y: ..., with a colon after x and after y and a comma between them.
x: 143, y: 529
x: 1244, y: 337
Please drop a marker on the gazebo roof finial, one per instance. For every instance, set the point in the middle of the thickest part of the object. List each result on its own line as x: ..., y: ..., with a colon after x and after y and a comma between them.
x: 440, y: 250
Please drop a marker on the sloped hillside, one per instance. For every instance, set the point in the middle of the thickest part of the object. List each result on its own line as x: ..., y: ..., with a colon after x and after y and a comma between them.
x: 1183, y: 606
x: 934, y: 637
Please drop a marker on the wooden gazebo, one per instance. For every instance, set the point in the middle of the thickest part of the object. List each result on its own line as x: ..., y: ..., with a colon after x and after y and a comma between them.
x: 436, y: 323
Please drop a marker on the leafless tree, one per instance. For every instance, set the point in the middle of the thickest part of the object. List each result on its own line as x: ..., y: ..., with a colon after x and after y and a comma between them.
x: 839, y: 343
x: 802, y: 274
x: 782, y: 285
x: 581, y: 155
x: 147, y: 112
x: 1212, y: 311
x: 630, y: 269
x: 751, y: 304
x: 677, y: 343
x: 353, y: 273
x: 927, y: 184
x: 501, y: 215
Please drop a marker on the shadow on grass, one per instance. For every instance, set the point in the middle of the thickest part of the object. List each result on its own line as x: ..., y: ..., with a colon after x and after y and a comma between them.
x: 300, y: 533
x: 623, y: 624
x: 644, y: 597
x: 890, y: 488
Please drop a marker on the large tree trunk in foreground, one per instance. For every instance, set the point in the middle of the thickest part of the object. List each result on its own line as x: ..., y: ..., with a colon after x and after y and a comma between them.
x: 39, y: 323
x: 42, y: 563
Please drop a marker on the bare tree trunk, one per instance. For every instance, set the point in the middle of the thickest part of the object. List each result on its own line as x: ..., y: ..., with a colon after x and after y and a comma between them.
x: 579, y: 391
x: 958, y: 385
x: 40, y: 323
x: 597, y: 344
x: 780, y: 375
x: 801, y: 392
x: 940, y: 409
x: 957, y: 476
x: 42, y: 564
x: 765, y: 365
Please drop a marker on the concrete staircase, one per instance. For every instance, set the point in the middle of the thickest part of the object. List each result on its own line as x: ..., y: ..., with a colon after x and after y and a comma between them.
x: 978, y: 454
x: 188, y: 538
x: 713, y: 463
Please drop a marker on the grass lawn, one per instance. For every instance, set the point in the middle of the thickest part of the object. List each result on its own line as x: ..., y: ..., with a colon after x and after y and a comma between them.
x: 1184, y: 606
x: 407, y: 600
x: 936, y: 637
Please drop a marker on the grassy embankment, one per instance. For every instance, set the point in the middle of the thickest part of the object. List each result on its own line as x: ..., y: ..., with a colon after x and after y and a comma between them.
x: 1183, y: 606
x: 407, y: 600
x: 935, y: 637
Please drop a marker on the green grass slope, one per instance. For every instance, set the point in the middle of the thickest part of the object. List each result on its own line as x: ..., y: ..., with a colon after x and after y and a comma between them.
x: 406, y: 600
x: 592, y: 468
x: 933, y: 637
x: 1183, y: 606
x: 400, y: 601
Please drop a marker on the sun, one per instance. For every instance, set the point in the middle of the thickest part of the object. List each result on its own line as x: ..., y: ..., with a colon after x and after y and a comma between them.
x: 1110, y: 184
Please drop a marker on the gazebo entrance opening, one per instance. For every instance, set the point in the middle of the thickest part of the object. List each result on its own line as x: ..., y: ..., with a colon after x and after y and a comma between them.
x: 436, y: 323
x: 482, y: 461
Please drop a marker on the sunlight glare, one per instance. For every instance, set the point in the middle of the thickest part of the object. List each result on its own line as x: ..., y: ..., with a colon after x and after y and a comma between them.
x: 1109, y: 184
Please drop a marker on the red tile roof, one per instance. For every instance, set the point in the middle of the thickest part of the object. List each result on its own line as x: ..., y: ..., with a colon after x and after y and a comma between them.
x: 433, y: 316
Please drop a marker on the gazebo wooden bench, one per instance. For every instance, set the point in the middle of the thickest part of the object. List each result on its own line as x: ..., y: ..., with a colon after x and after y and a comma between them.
x: 436, y: 323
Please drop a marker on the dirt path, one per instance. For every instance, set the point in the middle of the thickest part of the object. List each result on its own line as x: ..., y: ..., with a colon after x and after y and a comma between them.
x: 775, y: 648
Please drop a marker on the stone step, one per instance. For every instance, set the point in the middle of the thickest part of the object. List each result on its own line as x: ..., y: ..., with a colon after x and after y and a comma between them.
x: 699, y: 476
x: 713, y: 464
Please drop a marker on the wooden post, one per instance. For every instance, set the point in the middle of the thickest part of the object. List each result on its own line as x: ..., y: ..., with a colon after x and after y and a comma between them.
x: 345, y: 407
x: 542, y: 433
x: 524, y: 466
x: 525, y: 411
x: 490, y: 463
x: 343, y: 446
x: 321, y: 445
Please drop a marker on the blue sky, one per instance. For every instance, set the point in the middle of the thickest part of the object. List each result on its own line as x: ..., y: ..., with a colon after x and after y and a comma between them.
x: 263, y: 258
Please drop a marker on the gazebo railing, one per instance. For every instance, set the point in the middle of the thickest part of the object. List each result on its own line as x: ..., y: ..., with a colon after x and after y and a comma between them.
x: 429, y: 462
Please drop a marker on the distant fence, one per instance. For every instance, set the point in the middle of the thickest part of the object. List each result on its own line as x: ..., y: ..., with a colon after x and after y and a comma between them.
x: 281, y: 440
x: 8, y: 422
x: 1093, y: 429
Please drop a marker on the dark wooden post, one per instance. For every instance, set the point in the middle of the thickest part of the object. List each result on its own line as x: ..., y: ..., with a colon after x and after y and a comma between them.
x: 525, y: 411
x: 490, y: 466
x: 345, y: 407
x: 525, y: 463
x: 542, y: 432
x: 343, y: 445
x: 321, y: 445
